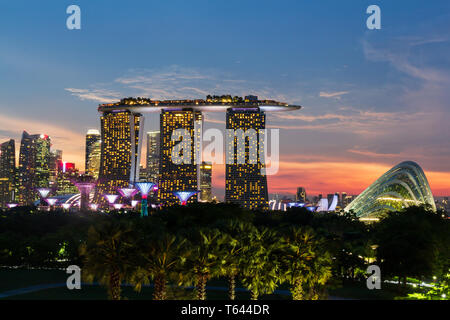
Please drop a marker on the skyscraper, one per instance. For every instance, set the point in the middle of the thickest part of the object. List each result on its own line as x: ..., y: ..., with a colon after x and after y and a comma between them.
x: 7, y: 172
x: 93, y: 165
x: 153, y: 149
x: 120, y: 147
x: 300, y: 195
x: 67, y: 175
x: 34, y: 170
x: 205, y: 182
x: 185, y: 176
x: 55, y: 160
x: 92, y: 137
x: 246, y: 185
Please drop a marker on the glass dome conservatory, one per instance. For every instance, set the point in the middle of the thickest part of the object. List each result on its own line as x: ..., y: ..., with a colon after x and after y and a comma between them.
x: 402, y: 186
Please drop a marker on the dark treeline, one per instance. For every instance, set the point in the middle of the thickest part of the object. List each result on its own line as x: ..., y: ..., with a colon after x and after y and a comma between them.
x: 303, y: 251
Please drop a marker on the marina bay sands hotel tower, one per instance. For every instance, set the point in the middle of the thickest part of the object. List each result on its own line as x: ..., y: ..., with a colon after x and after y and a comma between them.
x: 122, y: 126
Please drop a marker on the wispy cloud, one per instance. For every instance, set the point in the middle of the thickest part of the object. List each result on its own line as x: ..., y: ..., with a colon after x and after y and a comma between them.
x: 400, y: 57
x: 336, y: 95
x: 99, y: 95
x: 176, y: 82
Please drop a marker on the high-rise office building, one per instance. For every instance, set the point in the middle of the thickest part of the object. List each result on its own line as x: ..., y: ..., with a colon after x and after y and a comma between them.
x: 142, y: 173
x: 92, y: 138
x: 172, y: 175
x: 343, y: 200
x: 153, y: 153
x: 34, y: 159
x: 7, y: 172
x: 93, y: 164
x: 205, y: 182
x: 246, y: 185
x: 120, y: 148
x: 300, y: 196
x: 55, y: 159
x: 67, y: 175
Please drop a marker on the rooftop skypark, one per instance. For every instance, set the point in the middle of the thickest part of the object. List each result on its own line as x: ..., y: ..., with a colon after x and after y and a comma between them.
x: 211, y: 103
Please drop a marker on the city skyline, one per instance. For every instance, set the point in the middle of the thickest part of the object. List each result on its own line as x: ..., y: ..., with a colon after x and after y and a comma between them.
x: 371, y: 99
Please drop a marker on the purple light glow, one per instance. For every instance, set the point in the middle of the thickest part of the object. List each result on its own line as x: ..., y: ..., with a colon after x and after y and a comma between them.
x: 118, y: 206
x: 111, y: 198
x: 94, y: 206
x: 12, y: 205
x: 66, y: 206
x: 128, y: 192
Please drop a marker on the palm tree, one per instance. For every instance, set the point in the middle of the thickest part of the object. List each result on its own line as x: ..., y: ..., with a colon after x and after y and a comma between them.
x: 260, y: 262
x: 159, y: 258
x: 109, y: 255
x: 232, y: 248
x: 201, y: 260
x: 304, y: 264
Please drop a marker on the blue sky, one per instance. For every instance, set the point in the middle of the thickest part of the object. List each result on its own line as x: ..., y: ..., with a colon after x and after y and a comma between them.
x: 372, y: 98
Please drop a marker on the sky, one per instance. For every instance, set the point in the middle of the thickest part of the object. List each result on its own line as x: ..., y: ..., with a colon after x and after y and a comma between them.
x: 371, y: 98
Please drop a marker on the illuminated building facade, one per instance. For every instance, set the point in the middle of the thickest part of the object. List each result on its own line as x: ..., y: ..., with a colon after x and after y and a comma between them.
x: 402, y: 186
x: 67, y: 174
x: 153, y: 151
x: 187, y: 114
x: 7, y: 172
x: 175, y: 177
x: 246, y: 185
x: 93, y: 139
x: 55, y: 160
x: 93, y: 164
x: 120, y: 151
x: 34, y: 159
x: 300, y: 196
x: 205, y: 182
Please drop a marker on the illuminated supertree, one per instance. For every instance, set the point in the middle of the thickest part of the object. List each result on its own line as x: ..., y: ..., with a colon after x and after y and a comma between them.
x: 184, y: 196
x: 51, y: 202
x: 43, y: 193
x: 134, y: 203
x: 85, y: 184
x: 145, y: 188
x: 111, y: 198
x: 118, y: 206
x: 128, y: 194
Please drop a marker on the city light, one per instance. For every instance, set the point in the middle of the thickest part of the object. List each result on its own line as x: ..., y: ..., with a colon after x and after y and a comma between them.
x: 118, y: 206
x: 93, y: 206
x: 66, y: 206
x: 134, y: 203
x: 12, y: 205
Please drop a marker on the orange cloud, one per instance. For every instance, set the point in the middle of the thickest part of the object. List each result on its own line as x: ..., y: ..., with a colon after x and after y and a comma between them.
x: 329, y: 177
